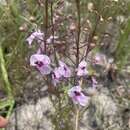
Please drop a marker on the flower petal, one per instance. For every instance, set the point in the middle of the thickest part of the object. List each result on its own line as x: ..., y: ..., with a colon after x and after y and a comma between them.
x: 83, y: 64
x: 45, y: 70
x: 64, y: 70
x: 30, y: 39
x: 62, y: 64
x: 82, y: 99
x: 39, y: 57
x: 37, y: 35
x: 82, y: 72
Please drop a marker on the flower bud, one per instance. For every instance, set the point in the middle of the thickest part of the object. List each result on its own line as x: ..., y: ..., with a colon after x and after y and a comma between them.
x: 32, y: 19
x: 23, y: 28
x: 90, y: 6
x: 72, y: 27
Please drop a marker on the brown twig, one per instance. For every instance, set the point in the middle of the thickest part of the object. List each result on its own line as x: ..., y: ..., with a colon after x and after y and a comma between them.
x: 78, y: 32
x: 46, y: 23
x: 53, y: 33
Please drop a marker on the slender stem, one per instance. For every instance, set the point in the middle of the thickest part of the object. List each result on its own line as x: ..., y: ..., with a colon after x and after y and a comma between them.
x: 46, y: 11
x: 77, y: 119
x: 77, y: 110
x: 12, y: 102
x: 78, y: 33
x: 46, y: 23
x: 53, y: 33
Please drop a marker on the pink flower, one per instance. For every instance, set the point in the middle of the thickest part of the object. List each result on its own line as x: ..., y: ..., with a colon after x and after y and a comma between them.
x: 77, y: 96
x: 56, y: 75
x: 64, y: 69
x: 82, y: 69
x: 37, y: 35
x: 41, y: 62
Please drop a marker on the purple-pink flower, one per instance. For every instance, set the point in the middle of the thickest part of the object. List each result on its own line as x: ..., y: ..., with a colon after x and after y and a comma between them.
x: 77, y: 96
x: 64, y: 69
x: 56, y: 76
x: 41, y: 62
x: 82, y: 69
x: 37, y: 35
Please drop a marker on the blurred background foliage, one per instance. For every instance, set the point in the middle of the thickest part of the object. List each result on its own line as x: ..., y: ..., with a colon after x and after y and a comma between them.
x: 18, y: 18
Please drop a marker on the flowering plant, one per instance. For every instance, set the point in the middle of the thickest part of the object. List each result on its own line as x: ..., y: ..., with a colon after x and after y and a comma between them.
x: 67, y: 69
x: 65, y: 78
x: 74, y: 45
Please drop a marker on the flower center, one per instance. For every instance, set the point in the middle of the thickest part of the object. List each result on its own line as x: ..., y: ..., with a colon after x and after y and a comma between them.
x: 65, y: 68
x: 83, y: 67
x: 77, y: 93
x: 54, y: 75
x: 39, y: 63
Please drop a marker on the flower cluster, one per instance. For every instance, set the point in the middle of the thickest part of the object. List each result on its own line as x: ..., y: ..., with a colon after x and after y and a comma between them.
x: 63, y: 71
x: 42, y: 62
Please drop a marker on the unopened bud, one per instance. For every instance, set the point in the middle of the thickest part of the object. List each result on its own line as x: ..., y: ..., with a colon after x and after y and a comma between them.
x: 90, y: 6
x: 95, y: 38
x: 109, y: 18
x: 92, y: 45
x: 32, y: 19
x: 72, y: 27
x: 101, y: 19
x: 23, y: 28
